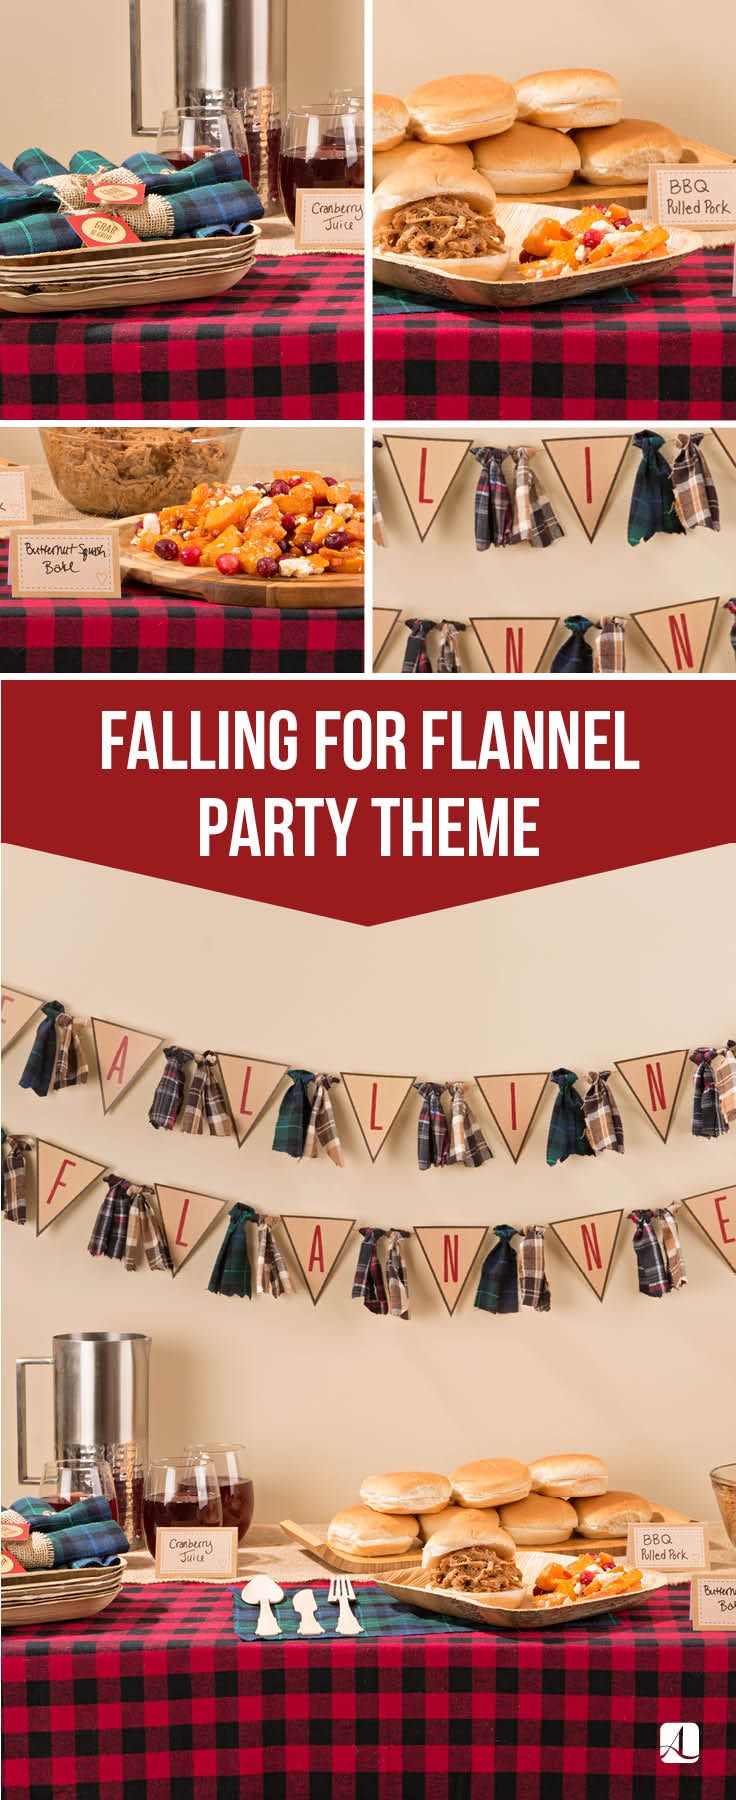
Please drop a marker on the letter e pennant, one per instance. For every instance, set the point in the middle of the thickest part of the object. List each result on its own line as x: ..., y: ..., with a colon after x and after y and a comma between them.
x: 716, y: 1215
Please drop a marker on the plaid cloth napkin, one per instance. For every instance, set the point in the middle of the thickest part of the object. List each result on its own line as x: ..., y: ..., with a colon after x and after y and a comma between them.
x: 231, y: 1273
x: 379, y: 1614
x: 672, y: 1248
x: 493, y: 518
x: 82, y: 1536
x: 731, y: 607
x: 38, y: 1072
x: 368, y: 1284
x: 206, y: 1103
x: 167, y: 1100
x: 448, y: 660
x: 534, y: 520
x: 609, y: 648
x: 653, y: 1274
x: 574, y: 657
x: 707, y: 1118
x: 416, y: 657
x: 498, y: 1288
x: 567, y: 1135
x: 36, y: 165
x: 652, y: 501
x: 433, y: 1144
x: 295, y: 1111
x: 693, y: 486
x: 532, y: 1273
x: 17, y: 198
x: 602, y: 1118
x: 70, y: 1064
x: 272, y: 1275
x: 15, y: 1170
x: 726, y: 1083
x: 396, y: 1276
x: 224, y: 208
x: 322, y: 1127
x: 467, y: 1143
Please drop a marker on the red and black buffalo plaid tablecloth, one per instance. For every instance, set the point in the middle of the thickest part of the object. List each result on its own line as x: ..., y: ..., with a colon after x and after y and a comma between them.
x: 157, y: 1697
x: 665, y: 349
x: 148, y: 632
x: 286, y: 343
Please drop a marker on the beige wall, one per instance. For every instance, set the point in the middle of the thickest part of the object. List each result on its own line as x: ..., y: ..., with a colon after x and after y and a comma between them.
x: 447, y: 576
x: 261, y: 448
x: 667, y: 72
x: 324, y: 1394
x: 76, y: 94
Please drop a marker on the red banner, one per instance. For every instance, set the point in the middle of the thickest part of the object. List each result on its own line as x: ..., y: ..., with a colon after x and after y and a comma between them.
x: 367, y: 801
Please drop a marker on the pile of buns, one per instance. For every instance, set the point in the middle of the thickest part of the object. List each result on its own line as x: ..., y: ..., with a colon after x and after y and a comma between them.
x: 532, y: 137
x: 499, y: 1503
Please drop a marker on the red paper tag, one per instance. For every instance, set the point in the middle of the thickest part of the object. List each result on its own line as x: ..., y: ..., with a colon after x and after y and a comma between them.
x: 12, y: 1530
x: 101, y: 231
x: 107, y: 190
x: 9, y: 1565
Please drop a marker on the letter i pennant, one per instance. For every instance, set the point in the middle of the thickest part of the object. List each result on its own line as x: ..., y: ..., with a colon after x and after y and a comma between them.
x: 62, y: 1178
x: 186, y: 1217
x: 318, y: 1245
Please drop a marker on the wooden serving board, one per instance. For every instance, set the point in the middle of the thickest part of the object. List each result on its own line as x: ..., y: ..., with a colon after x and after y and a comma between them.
x: 414, y: 1592
x: 236, y: 590
x: 589, y: 193
x: 316, y: 1545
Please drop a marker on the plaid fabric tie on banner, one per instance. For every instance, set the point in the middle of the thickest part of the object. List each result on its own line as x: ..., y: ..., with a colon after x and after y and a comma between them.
x: 143, y: 1227
x: 70, y: 1064
x: 652, y: 501
x: 498, y: 1288
x: 731, y: 607
x: 707, y: 1118
x: 567, y: 1135
x: 322, y: 1128
x: 294, y: 1113
x: 493, y: 517
x: 693, y: 487
x: 416, y: 656
x: 672, y: 1248
x: 726, y: 1083
x: 272, y: 1275
x: 574, y: 657
x: 448, y: 660
x: 603, y: 1125
x: 396, y: 1276
x: 532, y: 1273
x: 609, y: 648
x: 231, y: 1273
x: 534, y: 520
x: 38, y: 1072
x: 15, y: 1171
x: 467, y: 1143
x: 368, y: 1283
x: 654, y: 1277
x: 167, y: 1100
x: 433, y: 1144
x: 110, y: 1229
x: 206, y: 1103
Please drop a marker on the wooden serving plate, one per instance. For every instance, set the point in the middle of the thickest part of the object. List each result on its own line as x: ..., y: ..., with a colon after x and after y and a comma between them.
x: 413, y: 1591
x: 316, y: 1544
x: 236, y: 590
x: 590, y: 193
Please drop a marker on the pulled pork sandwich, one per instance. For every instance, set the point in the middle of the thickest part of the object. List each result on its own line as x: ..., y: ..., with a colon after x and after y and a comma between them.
x: 442, y: 216
x: 471, y: 1556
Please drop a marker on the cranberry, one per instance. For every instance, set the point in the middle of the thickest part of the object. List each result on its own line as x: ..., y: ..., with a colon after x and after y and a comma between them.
x: 278, y: 487
x: 337, y: 540
x: 308, y: 550
x: 289, y: 522
x: 331, y: 480
x: 592, y: 239
x: 137, y: 527
x: 190, y: 555
x: 267, y: 567
x: 228, y: 563
x: 620, y: 223
x: 167, y: 550
x: 527, y: 256
x: 296, y: 481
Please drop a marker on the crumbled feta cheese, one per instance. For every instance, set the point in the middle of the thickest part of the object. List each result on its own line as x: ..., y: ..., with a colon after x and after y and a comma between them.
x: 151, y: 522
x: 345, y: 510
x: 295, y: 565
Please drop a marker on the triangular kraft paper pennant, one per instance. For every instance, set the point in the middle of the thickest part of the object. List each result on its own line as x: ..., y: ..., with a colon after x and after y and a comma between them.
x: 680, y: 635
x: 655, y: 1083
x: 249, y: 1086
x: 122, y: 1055
x: 514, y: 646
x: 17, y: 1011
x: 450, y: 1251
x: 426, y: 468
x: 187, y: 1217
x: 384, y: 620
x: 588, y: 468
x: 512, y: 1101
x: 726, y: 436
x: 317, y: 1245
x: 376, y: 1101
x: 715, y: 1213
x: 61, y: 1177
x: 591, y: 1241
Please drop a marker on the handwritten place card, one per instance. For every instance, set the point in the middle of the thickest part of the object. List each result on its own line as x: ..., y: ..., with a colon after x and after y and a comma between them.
x: 16, y: 502
x: 669, y: 1549
x: 196, y: 1553
x: 65, y: 565
x: 693, y: 198
x: 330, y: 219
x: 713, y: 1602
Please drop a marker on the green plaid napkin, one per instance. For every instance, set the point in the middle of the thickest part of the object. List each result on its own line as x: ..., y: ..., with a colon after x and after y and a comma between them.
x: 378, y: 1613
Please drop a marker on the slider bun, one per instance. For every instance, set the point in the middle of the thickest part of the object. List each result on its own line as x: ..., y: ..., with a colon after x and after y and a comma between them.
x: 363, y: 1532
x: 613, y: 1513
x: 461, y: 107
x: 465, y: 1533
x: 566, y: 98
x: 538, y: 1520
x: 436, y: 1521
x: 564, y: 1477
x: 492, y: 1483
x: 509, y: 1597
x: 425, y: 181
x: 411, y: 1492
x: 527, y: 160
x: 388, y: 162
x: 390, y: 121
x: 667, y: 1515
x: 624, y: 152
x: 692, y: 151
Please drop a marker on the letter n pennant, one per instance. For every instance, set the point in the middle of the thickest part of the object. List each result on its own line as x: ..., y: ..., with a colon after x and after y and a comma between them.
x: 590, y: 1242
x: 655, y: 1082
x: 450, y: 1251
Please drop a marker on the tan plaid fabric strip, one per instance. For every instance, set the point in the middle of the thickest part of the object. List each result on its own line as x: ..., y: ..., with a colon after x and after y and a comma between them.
x: 609, y: 648
x: 396, y: 1276
x: 322, y: 1128
x: 206, y: 1105
x: 15, y: 1151
x: 272, y: 1276
x: 143, y: 1227
x: 533, y: 1282
x: 696, y: 500
x: 671, y: 1245
x: 467, y: 1143
x: 725, y: 1075
x: 534, y: 519
x: 603, y: 1127
x: 70, y: 1065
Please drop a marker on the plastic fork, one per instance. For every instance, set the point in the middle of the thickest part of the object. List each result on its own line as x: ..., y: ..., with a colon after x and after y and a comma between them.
x: 341, y: 1591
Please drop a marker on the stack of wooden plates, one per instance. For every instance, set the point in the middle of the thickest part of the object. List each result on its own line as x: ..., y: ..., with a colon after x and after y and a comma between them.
x: 135, y: 275
x: 45, y: 1596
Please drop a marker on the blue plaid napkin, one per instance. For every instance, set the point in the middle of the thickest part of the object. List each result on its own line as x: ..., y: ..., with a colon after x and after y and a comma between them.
x: 378, y: 1613
x: 83, y: 1536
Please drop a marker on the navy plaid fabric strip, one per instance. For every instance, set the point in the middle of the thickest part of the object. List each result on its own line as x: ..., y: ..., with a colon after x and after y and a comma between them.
x: 707, y: 1118
x: 654, y: 1277
x: 368, y: 1282
x: 38, y: 1072
x: 575, y: 656
x: 231, y: 1274
x: 292, y: 1121
x: 567, y: 1135
x: 433, y: 1141
x: 498, y: 1287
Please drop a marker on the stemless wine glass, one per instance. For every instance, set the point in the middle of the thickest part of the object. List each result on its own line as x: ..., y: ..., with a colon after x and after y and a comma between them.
x: 321, y: 148
x: 187, y: 133
x: 79, y: 1476
x: 237, y: 1494
x: 180, y: 1490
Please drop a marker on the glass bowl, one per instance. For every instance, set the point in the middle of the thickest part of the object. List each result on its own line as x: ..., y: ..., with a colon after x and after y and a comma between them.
x: 723, y: 1483
x: 117, y: 474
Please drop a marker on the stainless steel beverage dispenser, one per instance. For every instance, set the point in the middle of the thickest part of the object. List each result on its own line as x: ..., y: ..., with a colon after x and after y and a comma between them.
x: 100, y: 1403
x: 231, y: 52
